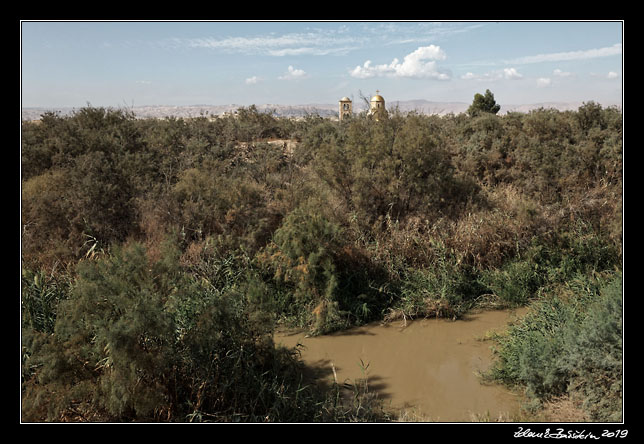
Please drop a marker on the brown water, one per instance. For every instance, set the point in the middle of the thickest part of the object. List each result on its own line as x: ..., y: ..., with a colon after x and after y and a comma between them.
x: 427, y: 368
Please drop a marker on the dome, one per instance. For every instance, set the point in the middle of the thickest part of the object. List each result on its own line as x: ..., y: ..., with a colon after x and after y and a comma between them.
x: 345, y: 99
x: 377, y: 107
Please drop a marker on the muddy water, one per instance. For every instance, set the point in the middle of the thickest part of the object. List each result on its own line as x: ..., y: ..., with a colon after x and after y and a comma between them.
x: 426, y: 370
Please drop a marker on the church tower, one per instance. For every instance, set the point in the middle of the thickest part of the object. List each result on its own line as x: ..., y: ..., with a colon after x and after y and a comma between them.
x: 377, y: 107
x: 345, y: 108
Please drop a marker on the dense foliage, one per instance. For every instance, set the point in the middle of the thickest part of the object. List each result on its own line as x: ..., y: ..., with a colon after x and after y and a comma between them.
x: 483, y: 104
x: 159, y: 255
x: 570, y: 343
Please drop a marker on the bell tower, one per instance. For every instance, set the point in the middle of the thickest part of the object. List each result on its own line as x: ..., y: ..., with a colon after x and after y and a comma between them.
x: 345, y: 108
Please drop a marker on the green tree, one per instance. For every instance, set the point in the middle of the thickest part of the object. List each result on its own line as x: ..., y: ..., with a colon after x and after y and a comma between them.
x: 483, y: 104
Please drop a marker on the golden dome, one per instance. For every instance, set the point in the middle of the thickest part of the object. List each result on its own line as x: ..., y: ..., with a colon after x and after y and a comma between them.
x: 377, y: 107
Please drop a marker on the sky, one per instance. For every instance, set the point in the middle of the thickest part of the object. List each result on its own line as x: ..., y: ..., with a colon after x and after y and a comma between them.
x: 178, y: 63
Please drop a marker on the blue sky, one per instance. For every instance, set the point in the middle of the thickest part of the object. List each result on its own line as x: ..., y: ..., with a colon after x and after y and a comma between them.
x: 115, y: 64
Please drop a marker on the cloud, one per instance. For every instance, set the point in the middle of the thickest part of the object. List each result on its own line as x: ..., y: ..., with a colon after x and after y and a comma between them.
x: 367, y: 71
x: 316, y: 42
x: 570, y: 55
x: 309, y: 51
x: 252, y: 80
x: 610, y: 75
x: 420, y: 63
x: 293, y: 74
x: 392, y: 33
x: 511, y: 74
x: 543, y: 82
x: 560, y: 73
x: 607, y: 51
x: 502, y: 74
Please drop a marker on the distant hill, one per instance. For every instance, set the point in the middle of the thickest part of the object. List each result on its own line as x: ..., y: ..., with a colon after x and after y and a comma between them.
x: 324, y: 110
x: 163, y: 111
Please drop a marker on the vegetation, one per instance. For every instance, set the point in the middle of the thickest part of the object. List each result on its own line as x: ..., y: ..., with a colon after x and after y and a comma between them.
x: 159, y: 255
x: 483, y: 104
x: 570, y: 344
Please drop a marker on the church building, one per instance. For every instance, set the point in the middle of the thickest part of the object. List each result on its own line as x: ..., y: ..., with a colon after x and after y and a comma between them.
x: 377, y: 107
x: 376, y: 111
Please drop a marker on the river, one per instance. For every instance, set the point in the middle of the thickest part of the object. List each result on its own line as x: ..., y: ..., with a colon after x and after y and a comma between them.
x: 426, y: 370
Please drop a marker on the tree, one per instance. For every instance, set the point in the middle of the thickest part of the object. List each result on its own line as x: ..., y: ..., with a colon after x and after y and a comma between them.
x: 483, y: 104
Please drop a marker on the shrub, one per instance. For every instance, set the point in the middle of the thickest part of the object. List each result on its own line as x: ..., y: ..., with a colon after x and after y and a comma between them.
x: 41, y: 292
x: 119, y: 302
x: 445, y: 288
x: 301, y: 258
x: 144, y: 341
x: 516, y: 283
x: 44, y: 213
x: 593, y: 355
x: 101, y: 200
x: 549, y: 262
x: 398, y: 167
x: 589, y: 115
x: 569, y: 343
x: 207, y: 202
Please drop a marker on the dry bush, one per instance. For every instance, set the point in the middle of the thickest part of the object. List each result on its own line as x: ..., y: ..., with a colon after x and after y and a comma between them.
x: 488, y: 236
x: 154, y: 225
x: 601, y: 206
x: 563, y: 409
x: 401, y: 244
